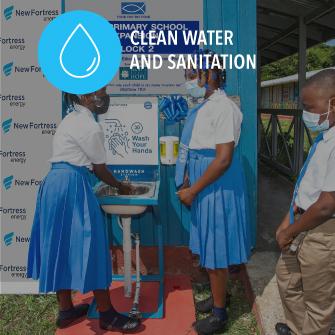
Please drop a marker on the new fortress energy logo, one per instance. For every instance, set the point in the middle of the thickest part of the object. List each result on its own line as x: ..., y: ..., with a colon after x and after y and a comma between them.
x: 9, y: 68
x: 9, y: 182
x: 44, y: 128
x: 10, y: 238
x: 13, y: 43
x: 8, y: 12
x: 14, y: 157
x: 13, y: 100
x: 18, y: 214
x: 46, y: 14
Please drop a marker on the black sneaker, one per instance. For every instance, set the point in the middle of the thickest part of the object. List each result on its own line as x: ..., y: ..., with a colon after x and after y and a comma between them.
x: 66, y: 318
x: 205, y: 306
x: 121, y: 323
x: 209, y: 326
x: 283, y: 329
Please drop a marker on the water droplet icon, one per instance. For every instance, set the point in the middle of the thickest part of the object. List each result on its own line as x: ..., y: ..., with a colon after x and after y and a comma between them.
x: 80, y: 56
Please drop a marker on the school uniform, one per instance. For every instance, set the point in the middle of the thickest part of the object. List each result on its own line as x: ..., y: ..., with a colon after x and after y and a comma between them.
x: 219, y: 230
x: 306, y: 280
x: 69, y: 248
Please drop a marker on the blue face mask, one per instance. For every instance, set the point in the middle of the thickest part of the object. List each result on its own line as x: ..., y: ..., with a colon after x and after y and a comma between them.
x: 194, y: 90
x: 312, y: 120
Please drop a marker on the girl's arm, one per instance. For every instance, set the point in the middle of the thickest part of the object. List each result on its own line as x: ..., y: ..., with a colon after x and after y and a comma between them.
x: 222, y: 161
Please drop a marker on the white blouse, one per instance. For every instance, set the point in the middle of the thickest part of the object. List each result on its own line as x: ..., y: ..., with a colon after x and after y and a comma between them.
x: 320, y: 173
x: 218, y: 121
x: 79, y: 139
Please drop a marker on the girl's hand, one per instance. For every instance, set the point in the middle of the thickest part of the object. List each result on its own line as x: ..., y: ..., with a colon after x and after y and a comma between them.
x: 284, y: 239
x: 186, y: 183
x: 125, y: 189
x: 186, y: 196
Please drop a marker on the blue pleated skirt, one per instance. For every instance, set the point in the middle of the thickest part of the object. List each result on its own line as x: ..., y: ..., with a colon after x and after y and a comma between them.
x: 68, y: 247
x: 220, y: 231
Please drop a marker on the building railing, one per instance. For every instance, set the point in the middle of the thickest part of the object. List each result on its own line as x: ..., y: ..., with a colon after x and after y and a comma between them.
x: 284, y: 140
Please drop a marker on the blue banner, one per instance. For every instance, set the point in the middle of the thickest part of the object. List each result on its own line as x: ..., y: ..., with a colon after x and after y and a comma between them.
x: 125, y: 28
x: 135, y: 172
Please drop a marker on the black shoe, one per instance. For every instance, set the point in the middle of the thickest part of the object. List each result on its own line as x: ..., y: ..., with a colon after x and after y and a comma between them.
x: 119, y: 322
x: 66, y: 318
x: 283, y: 329
x: 205, y: 306
x: 209, y: 326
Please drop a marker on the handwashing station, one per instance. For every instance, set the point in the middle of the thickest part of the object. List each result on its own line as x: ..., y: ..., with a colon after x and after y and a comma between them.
x: 132, y: 144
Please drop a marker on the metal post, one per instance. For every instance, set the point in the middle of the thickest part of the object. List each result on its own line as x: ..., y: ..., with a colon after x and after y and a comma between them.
x: 126, y: 226
x: 259, y: 99
x: 274, y: 132
x: 299, y: 128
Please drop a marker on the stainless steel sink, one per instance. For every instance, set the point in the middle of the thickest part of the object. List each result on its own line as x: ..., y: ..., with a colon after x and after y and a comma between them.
x: 112, y: 202
x: 109, y: 191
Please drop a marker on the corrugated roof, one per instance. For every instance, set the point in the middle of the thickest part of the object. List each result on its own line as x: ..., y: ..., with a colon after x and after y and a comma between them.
x: 288, y: 79
x: 278, y: 24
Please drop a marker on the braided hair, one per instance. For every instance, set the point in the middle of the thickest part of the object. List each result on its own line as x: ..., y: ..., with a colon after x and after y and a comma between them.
x: 219, y: 74
x: 70, y: 100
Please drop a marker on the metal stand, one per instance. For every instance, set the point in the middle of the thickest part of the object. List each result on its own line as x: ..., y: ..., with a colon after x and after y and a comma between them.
x: 159, y: 313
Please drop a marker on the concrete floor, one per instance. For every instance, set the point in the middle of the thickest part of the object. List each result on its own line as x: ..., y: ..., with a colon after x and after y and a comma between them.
x: 274, y: 200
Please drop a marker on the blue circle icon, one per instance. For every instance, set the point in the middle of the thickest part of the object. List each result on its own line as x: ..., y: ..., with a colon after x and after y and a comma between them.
x: 79, y: 52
